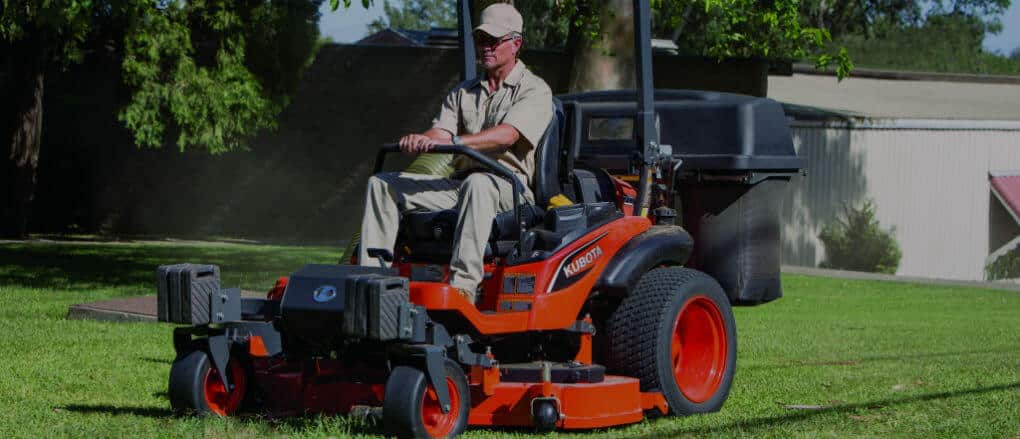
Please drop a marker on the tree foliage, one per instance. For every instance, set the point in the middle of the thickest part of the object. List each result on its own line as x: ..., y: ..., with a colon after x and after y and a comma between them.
x: 715, y: 28
x: 747, y: 28
x: 988, y: 11
x: 869, y: 17
x: 37, y: 37
x: 857, y: 242
x: 214, y: 72
x: 204, y: 74
x: 416, y: 15
x: 858, y: 17
x: 63, y: 26
x: 938, y: 35
x: 943, y: 43
x: 207, y: 73
x: 546, y: 23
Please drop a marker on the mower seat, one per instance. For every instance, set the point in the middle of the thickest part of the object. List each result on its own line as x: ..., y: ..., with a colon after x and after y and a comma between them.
x: 441, y: 225
x: 427, y: 236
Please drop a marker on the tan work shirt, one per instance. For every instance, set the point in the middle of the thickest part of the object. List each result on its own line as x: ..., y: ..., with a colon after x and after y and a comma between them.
x: 524, y: 101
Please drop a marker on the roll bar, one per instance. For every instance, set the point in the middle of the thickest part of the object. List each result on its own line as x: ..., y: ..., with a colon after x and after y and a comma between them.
x: 469, y: 66
x: 484, y: 160
x: 647, y: 135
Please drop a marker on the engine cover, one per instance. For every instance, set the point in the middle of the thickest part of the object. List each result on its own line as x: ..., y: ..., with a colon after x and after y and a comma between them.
x: 325, y: 304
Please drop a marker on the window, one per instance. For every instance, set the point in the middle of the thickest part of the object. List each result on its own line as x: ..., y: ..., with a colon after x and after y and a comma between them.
x: 610, y: 128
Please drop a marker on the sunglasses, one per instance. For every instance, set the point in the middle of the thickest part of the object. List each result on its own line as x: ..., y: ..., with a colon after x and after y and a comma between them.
x: 487, y: 41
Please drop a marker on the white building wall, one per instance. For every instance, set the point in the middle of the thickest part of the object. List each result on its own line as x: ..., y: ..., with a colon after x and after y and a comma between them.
x: 928, y: 179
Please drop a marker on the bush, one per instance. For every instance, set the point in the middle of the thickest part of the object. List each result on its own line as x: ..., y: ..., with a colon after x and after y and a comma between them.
x: 857, y: 242
x: 1006, y: 266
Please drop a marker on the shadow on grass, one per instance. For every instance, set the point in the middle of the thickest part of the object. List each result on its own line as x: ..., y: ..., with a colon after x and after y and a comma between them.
x: 90, y: 266
x: 357, y: 425
x: 161, y: 395
x: 757, y: 423
x: 878, y: 358
x: 157, y: 360
x: 361, y: 426
x: 149, y: 412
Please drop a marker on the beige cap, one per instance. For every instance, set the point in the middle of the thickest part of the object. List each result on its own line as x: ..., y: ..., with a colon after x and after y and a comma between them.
x: 500, y: 19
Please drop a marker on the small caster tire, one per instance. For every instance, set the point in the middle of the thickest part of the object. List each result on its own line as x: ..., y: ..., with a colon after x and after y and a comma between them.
x: 545, y: 416
x: 195, y: 386
x: 411, y: 408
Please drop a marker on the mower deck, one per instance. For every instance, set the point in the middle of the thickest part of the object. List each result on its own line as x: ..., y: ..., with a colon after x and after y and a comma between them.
x: 501, y: 395
x: 614, y: 400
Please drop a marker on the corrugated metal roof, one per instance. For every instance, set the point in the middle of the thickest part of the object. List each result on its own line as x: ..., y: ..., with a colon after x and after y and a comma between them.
x: 1006, y: 187
x: 886, y: 98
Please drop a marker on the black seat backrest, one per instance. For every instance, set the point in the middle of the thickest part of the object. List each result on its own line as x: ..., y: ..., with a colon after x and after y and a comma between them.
x: 547, y: 158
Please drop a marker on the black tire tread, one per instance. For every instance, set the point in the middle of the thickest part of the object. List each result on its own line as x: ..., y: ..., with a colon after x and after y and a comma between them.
x: 186, y: 374
x: 635, y: 326
x: 401, y: 402
x: 186, y: 386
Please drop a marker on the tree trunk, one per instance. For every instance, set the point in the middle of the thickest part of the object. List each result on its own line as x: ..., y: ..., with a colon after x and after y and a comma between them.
x: 607, y: 63
x: 21, y: 131
x: 821, y: 15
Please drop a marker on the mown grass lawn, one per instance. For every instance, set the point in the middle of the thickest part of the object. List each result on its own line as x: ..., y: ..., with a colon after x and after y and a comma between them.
x: 858, y: 358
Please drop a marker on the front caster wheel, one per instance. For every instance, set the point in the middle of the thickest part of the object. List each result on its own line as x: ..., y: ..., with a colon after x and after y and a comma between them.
x: 411, y: 408
x: 545, y: 415
x: 196, y: 388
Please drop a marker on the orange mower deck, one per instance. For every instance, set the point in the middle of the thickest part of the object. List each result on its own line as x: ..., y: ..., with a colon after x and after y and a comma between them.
x: 614, y: 401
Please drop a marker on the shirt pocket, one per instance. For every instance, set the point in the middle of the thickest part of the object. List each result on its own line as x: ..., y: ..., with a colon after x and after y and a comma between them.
x: 500, y: 108
x: 470, y: 120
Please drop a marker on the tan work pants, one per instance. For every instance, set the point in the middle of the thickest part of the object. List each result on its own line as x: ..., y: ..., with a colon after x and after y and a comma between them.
x: 477, y: 198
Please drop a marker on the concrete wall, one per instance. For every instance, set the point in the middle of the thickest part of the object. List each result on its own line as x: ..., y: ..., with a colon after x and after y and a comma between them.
x: 931, y: 184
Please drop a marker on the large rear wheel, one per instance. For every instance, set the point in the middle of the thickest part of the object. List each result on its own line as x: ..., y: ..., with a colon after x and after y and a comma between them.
x: 675, y: 333
x: 196, y: 388
x: 411, y: 407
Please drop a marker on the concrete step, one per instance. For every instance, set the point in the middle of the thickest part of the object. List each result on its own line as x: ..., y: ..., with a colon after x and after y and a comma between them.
x: 126, y: 309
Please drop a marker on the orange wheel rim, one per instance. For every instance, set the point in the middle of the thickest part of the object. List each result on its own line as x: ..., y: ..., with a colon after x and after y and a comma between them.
x: 437, y: 423
x: 219, y: 400
x: 699, y: 349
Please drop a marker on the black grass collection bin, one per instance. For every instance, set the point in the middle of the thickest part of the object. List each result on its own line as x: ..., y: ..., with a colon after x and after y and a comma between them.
x: 735, y: 156
x: 737, y: 159
x: 736, y: 230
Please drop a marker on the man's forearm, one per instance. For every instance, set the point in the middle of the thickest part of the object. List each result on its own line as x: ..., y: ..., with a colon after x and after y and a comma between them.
x: 494, y: 139
x: 439, y: 135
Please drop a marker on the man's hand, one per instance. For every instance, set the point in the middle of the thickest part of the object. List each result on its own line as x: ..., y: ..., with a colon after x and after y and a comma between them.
x: 417, y: 143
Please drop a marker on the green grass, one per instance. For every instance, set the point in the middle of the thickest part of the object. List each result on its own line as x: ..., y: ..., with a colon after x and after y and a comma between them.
x: 877, y: 359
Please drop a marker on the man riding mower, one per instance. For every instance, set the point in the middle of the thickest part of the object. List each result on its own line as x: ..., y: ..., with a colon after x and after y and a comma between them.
x: 485, y: 299
x: 503, y: 115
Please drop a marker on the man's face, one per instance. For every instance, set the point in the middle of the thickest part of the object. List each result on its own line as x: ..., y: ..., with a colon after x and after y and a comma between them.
x: 496, y: 52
